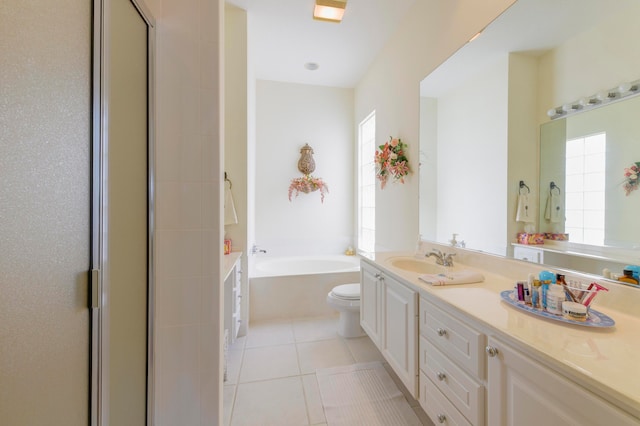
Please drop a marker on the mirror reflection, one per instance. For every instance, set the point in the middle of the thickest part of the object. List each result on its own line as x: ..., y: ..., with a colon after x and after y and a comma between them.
x: 585, y: 156
x: 484, y: 128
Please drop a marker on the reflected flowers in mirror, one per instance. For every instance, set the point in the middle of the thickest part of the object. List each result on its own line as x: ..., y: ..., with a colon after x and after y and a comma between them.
x: 631, y: 178
x: 391, y: 161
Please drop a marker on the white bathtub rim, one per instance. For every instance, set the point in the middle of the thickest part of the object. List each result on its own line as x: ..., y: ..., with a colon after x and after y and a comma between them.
x: 352, y: 265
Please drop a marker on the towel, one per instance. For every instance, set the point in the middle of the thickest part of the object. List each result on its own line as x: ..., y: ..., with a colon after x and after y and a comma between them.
x: 230, y: 216
x: 457, y: 277
x: 552, y: 209
x: 524, y: 212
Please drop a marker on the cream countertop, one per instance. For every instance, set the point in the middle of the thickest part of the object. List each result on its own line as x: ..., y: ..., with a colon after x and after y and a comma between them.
x: 228, y: 261
x: 606, y: 361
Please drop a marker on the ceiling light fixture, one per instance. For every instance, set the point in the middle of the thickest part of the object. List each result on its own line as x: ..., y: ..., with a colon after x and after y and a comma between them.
x: 311, y: 66
x: 329, y: 10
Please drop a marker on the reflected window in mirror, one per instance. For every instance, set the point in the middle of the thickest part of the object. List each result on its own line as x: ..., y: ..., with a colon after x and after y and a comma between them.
x: 585, y: 185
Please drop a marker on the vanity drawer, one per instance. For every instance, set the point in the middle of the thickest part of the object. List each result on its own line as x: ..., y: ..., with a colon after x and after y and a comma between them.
x: 457, y: 340
x: 437, y: 406
x: 460, y: 389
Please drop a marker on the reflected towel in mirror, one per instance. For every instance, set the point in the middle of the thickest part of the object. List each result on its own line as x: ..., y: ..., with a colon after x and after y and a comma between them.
x: 552, y: 209
x: 455, y: 277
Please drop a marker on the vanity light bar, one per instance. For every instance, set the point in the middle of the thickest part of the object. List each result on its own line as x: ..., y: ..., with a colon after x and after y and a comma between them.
x: 624, y: 90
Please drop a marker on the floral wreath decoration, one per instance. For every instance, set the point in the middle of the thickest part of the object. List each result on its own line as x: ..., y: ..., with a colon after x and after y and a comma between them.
x: 391, y: 161
x: 631, y: 180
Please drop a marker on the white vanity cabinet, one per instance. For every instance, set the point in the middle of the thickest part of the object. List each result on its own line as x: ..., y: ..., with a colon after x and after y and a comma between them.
x: 530, y: 254
x: 388, y: 314
x: 371, y: 302
x: 452, y: 369
x: 523, y: 392
x: 232, y: 295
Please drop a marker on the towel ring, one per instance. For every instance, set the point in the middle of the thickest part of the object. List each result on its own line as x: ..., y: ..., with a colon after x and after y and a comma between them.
x: 553, y: 186
x: 524, y: 185
x: 226, y: 179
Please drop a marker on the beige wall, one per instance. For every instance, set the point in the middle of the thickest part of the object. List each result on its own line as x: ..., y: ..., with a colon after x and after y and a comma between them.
x: 523, y: 136
x: 472, y: 160
x: 431, y: 31
x: 598, y: 59
x: 235, y: 139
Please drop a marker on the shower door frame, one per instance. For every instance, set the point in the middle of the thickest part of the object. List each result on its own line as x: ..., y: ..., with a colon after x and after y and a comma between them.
x: 99, y: 398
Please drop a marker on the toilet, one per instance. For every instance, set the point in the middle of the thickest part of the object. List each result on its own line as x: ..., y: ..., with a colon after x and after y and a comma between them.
x: 346, y: 300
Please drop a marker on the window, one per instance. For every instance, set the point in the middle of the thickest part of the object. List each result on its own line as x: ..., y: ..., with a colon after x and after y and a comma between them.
x: 367, y: 184
x: 585, y: 183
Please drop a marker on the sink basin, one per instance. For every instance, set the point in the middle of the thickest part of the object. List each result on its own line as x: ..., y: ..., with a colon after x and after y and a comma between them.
x: 416, y: 265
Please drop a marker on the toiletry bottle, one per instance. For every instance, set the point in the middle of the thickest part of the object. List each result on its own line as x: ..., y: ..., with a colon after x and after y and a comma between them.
x: 627, y: 277
x: 535, y: 295
x: 545, y: 291
x: 418, y: 253
x: 555, y: 298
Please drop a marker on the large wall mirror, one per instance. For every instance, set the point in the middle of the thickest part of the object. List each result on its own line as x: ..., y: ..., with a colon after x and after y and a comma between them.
x: 484, y: 129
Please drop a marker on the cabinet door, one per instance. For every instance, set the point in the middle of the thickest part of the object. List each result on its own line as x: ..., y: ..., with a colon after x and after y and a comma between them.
x: 399, y: 336
x: 523, y: 392
x: 370, y: 302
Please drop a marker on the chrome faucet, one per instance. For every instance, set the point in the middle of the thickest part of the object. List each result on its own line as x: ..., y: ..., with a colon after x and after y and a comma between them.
x: 444, y: 259
x: 255, y: 249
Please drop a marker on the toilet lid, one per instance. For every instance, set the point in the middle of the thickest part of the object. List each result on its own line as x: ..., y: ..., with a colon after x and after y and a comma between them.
x: 347, y: 291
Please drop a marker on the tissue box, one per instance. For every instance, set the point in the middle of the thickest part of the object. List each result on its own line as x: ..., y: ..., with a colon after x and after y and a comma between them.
x: 556, y: 237
x: 527, y: 238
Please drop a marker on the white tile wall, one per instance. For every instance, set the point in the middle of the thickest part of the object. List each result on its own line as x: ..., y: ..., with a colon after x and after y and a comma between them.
x: 188, y: 170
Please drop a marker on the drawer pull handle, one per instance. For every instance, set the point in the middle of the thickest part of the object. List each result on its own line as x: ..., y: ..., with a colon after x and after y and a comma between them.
x: 441, y: 332
x: 441, y: 376
x: 491, y: 351
x: 442, y: 418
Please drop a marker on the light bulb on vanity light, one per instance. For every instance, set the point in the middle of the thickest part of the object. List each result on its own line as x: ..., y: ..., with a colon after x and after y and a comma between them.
x: 585, y: 102
x: 624, y: 88
x: 555, y: 112
x: 602, y: 96
x: 567, y: 108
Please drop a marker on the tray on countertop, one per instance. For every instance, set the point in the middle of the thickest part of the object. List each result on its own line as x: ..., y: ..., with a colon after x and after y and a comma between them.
x: 594, y: 318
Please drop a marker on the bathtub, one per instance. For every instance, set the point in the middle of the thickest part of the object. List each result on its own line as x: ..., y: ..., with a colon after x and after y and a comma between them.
x: 297, y: 286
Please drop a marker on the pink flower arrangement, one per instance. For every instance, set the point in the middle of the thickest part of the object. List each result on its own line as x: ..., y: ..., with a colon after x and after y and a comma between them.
x: 391, y: 161
x: 631, y: 178
x: 307, y: 184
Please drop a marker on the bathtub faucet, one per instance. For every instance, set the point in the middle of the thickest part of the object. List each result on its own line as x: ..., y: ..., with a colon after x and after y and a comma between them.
x: 255, y: 249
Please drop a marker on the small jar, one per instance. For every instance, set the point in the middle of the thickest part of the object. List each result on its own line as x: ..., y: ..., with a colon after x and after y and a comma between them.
x: 555, y: 298
x: 574, y: 311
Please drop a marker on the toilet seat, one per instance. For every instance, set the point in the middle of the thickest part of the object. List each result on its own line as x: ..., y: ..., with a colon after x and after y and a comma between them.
x: 347, y: 291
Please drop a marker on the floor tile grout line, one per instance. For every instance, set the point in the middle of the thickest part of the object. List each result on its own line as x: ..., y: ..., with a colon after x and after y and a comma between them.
x: 235, y: 391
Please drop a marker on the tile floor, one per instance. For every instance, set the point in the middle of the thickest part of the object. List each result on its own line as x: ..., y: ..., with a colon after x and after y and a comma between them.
x: 271, y: 371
